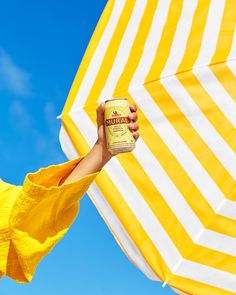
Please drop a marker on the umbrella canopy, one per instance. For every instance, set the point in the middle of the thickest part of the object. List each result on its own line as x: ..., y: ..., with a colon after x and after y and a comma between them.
x: 171, y: 203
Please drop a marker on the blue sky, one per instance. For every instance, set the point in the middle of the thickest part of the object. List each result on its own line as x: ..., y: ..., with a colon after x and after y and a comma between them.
x: 41, y: 46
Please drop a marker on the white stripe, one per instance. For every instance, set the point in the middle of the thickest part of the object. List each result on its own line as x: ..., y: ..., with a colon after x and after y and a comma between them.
x: 227, y: 208
x: 200, y: 123
x: 207, y: 275
x: 151, y: 225
x: 119, y: 231
x: 232, y: 66
x: 110, y: 217
x: 67, y: 145
x: 105, y: 210
x: 124, y: 50
x: 180, y: 150
x: 180, y: 39
x: 129, y: 191
x: 232, y: 54
x: 178, y: 291
x: 179, y: 206
x: 221, y: 242
x: 211, y: 32
x: 218, y: 278
x: 152, y: 42
x: 94, y: 66
x: 217, y: 92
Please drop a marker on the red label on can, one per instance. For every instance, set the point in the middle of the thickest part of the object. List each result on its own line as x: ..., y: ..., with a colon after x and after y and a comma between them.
x: 115, y: 121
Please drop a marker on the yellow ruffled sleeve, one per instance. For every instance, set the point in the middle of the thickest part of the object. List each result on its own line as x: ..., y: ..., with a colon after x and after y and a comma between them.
x: 42, y: 212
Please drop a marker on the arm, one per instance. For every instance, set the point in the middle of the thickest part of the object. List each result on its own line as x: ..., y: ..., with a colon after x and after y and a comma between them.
x: 38, y: 214
x: 99, y: 155
x: 92, y: 162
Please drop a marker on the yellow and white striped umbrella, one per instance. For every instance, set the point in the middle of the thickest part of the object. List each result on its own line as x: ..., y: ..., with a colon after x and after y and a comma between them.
x: 171, y: 203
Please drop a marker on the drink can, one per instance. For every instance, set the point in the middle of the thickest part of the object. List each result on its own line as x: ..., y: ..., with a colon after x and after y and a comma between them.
x: 119, y: 137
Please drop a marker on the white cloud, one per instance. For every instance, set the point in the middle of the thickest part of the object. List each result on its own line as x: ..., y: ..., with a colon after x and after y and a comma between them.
x: 13, y: 78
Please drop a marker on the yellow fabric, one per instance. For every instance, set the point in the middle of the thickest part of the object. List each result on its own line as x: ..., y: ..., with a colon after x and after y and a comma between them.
x: 176, y: 60
x: 35, y: 216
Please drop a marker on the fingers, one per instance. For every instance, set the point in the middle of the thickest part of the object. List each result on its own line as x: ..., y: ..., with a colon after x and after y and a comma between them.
x: 133, y: 108
x: 136, y: 135
x: 133, y: 126
x: 133, y: 117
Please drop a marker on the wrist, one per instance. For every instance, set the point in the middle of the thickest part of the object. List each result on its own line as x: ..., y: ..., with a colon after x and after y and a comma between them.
x: 102, y: 152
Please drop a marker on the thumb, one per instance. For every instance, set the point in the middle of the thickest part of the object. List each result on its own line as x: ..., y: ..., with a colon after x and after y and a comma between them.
x: 100, y: 114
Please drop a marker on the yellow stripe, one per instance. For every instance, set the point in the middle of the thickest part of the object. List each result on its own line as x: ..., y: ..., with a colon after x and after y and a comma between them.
x: 137, y: 233
x: 112, y: 231
x: 199, y: 148
x: 94, y: 41
x: 195, y: 37
x: 142, y: 241
x: 74, y: 134
x: 166, y: 41
x: 226, y: 78
x: 212, y: 112
x: 137, y: 48
x: 110, y: 55
x: 178, y: 175
x: 162, y: 212
x: 159, y: 207
x: 167, y: 218
x: 131, y: 224
x: 195, y: 288
x: 226, y: 32
x: 120, y: 207
x: 234, y: 75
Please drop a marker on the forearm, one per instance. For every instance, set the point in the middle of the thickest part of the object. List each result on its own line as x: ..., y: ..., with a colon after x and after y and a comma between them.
x: 92, y: 162
x: 99, y: 155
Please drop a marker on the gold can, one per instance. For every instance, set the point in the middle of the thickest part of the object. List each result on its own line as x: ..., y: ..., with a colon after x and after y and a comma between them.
x: 119, y: 137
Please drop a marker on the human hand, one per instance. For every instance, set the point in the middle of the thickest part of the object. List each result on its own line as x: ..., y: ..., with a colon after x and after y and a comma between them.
x: 133, y: 126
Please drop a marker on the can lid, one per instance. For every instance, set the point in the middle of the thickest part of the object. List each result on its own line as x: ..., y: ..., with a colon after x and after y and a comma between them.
x: 114, y: 99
